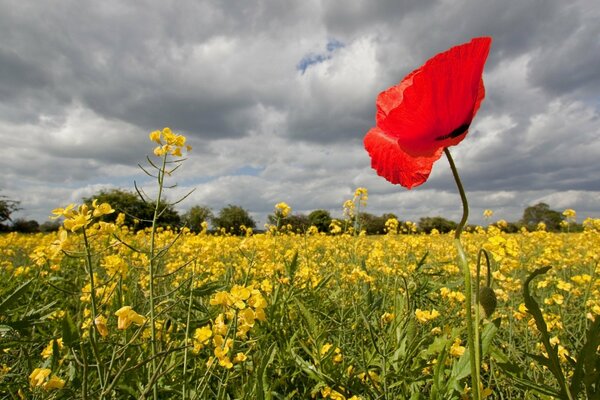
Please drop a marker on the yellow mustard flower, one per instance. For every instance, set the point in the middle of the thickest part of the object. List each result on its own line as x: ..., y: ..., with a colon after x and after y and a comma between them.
x: 426, y: 316
x: 100, y: 323
x: 127, y: 316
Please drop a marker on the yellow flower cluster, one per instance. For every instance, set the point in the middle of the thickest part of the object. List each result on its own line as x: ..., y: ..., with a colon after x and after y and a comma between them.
x: 329, y: 393
x: 39, y: 377
x: 282, y: 210
x: 361, y: 195
x: 47, y: 352
x: 77, y: 218
x: 453, y: 296
x: 128, y: 316
x: 426, y: 316
x: 168, y: 143
x: 243, y: 305
x: 337, y: 356
x: 391, y: 226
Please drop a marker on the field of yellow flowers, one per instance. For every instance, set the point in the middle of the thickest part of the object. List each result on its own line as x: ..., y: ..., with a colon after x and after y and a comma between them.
x: 99, y: 310
x: 282, y: 315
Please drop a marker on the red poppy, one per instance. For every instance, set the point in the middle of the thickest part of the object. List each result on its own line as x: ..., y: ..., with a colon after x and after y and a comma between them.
x: 429, y: 110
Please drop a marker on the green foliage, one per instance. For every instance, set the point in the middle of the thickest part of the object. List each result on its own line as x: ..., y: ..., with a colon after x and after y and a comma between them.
x: 321, y: 219
x: 49, y: 226
x: 541, y: 212
x: 232, y: 218
x: 373, y: 224
x: 23, y: 226
x: 138, y: 212
x: 296, y: 222
x: 7, y: 207
x: 195, y: 216
x: 427, y: 224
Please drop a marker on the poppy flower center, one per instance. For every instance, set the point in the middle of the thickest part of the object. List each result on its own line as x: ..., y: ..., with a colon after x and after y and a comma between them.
x: 455, y: 133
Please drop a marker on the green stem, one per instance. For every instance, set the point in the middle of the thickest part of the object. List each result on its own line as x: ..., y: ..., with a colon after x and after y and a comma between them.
x: 161, y: 176
x: 187, y: 332
x: 472, y: 328
x: 93, y: 331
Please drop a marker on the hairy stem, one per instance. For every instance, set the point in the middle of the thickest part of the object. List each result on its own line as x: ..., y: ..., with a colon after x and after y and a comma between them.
x: 472, y: 328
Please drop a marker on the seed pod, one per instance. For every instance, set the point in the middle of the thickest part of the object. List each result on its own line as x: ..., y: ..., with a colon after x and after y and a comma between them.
x: 487, y: 300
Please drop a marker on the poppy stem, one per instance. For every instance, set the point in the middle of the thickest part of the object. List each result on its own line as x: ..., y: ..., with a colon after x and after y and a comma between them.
x: 472, y: 328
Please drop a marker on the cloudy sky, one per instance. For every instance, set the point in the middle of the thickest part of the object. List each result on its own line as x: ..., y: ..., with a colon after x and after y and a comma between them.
x: 276, y: 96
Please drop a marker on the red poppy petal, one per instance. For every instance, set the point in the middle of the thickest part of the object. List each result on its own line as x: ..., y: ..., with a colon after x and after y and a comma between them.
x: 434, y: 105
x: 391, y: 162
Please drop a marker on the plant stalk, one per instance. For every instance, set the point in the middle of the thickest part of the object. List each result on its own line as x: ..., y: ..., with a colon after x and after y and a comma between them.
x: 152, y: 267
x: 472, y: 328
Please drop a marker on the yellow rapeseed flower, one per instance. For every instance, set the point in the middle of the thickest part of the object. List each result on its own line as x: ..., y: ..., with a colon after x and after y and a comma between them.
x: 127, y: 316
x: 47, y: 352
x: 426, y: 316
x: 38, y: 376
x: 100, y: 323
x: 54, y: 383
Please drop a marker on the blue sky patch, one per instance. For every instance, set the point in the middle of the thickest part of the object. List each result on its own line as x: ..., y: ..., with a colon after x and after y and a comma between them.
x: 317, y: 58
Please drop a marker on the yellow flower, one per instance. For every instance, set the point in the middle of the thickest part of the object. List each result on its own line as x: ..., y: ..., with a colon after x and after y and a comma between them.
x: 391, y: 226
x: 362, y: 195
x: 456, y: 349
x: 159, y: 151
x: 222, y: 299
x: 570, y: 214
x: 115, y: 265
x: 38, y: 376
x: 239, y: 294
x: 127, y: 316
x: 426, y: 316
x: 240, y: 357
x: 54, y: 383
x: 100, y: 323
x: 47, y: 352
x: 487, y: 213
x: 66, y: 212
x: 201, y: 337
x: 102, y: 209
x: 337, y: 356
x: 282, y: 209
x: 325, y: 349
x: 155, y: 136
x: 387, y: 317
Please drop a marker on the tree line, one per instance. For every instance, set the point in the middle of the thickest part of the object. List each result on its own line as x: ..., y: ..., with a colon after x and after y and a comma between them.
x: 236, y: 220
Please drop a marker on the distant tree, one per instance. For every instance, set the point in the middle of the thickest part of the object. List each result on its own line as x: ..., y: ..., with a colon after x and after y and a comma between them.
x: 7, y: 207
x: 299, y: 222
x: 138, y: 213
x: 373, y: 224
x: 232, y: 218
x: 321, y: 219
x: 195, y: 216
x: 50, y: 226
x: 442, y: 225
x: 541, y: 212
x: 23, y: 226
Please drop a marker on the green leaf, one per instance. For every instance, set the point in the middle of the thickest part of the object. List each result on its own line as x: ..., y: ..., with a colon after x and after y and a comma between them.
x: 292, y: 266
x: 515, y: 373
x: 489, y: 331
x: 308, y: 317
x: 263, y: 390
x: 534, y: 309
x: 587, y: 367
x: 70, y: 333
x: 208, y: 289
x: 14, y: 296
